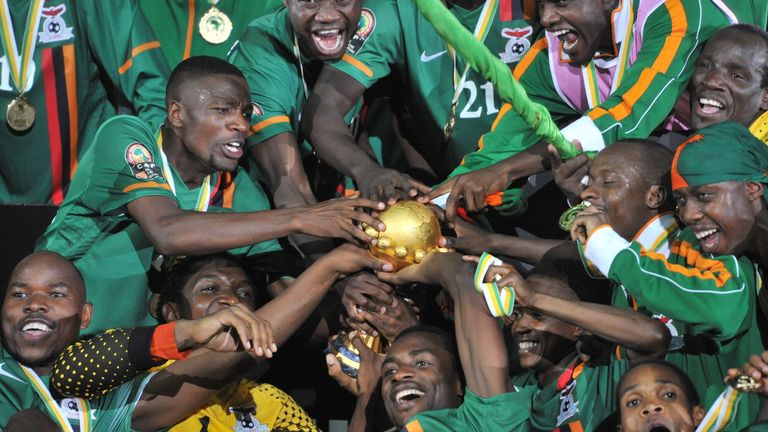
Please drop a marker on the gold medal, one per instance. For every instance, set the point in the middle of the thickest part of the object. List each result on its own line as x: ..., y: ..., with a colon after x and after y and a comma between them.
x: 20, y: 115
x: 215, y: 26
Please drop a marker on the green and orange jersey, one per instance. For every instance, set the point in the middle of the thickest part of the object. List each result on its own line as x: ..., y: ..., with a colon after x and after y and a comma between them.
x: 176, y: 24
x: 396, y: 39
x: 501, y: 413
x: 625, y: 93
x: 707, y: 302
x: 80, y: 43
x: 94, y: 229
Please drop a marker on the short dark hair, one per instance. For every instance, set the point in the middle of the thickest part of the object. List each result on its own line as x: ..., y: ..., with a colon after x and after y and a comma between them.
x: 175, y: 274
x: 571, y: 273
x: 196, y: 67
x: 754, y: 31
x: 447, y: 341
x: 685, y: 381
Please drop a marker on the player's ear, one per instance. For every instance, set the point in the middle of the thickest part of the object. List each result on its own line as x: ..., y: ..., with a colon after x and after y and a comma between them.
x: 697, y: 415
x: 655, y: 196
x: 175, y: 113
x: 764, y: 101
x: 86, y: 313
x: 754, y: 190
x: 170, y: 312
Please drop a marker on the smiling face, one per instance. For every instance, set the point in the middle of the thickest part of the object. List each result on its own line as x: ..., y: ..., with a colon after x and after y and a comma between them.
x: 583, y: 26
x: 725, y: 85
x: 211, y: 116
x: 722, y: 215
x: 652, y: 398
x: 324, y: 27
x: 418, y: 375
x: 44, y: 310
x: 543, y: 342
x: 619, y: 187
x: 217, y: 285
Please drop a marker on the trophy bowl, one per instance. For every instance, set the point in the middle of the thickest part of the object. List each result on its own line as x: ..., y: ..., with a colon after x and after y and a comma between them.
x: 412, y: 232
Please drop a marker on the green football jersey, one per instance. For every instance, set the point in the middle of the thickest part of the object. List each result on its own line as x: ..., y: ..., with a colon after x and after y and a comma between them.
x: 21, y: 390
x: 176, y: 23
x: 582, y: 398
x: 707, y: 302
x: 399, y: 39
x: 506, y: 412
x: 95, y: 231
x: 79, y: 44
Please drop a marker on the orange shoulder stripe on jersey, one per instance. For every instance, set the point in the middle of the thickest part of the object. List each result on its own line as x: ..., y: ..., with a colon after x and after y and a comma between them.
x: 190, y: 27
x: 136, y: 51
x: 358, y: 64
x: 525, y: 62
x: 144, y: 185
x: 698, y: 267
x: 679, y: 23
x: 268, y: 122
x: 414, y: 426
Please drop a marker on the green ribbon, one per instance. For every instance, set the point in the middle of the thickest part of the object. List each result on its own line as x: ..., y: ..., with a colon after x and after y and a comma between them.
x: 493, y: 69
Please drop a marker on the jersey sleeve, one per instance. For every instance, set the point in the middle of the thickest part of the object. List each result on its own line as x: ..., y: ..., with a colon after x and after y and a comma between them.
x: 672, y: 37
x: 372, y: 56
x: 126, y: 166
x: 510, y: 134
x: 128, y: 52
x: 708, y: 293
x: 507, y: 411
x: 273, y: 83
x: 114, y: 411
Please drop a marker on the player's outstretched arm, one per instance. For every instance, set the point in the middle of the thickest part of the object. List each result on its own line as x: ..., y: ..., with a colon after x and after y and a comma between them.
x: 334, y: 94
x: 178, y: 232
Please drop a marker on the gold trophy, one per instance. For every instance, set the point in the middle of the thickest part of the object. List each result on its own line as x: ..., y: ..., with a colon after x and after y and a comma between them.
x: 412, y: 232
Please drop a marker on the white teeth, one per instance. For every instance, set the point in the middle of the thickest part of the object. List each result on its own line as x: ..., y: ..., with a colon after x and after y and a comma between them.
x: 36, y: 326
x: 527, y: 346
x: 710, y: 102
x: 234, y: 144
x: 561, y: 32
x: 327, y: 32
x: 701, y: 234
x: 403, y: 393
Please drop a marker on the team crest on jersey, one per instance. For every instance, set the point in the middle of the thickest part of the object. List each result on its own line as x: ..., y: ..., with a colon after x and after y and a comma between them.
x: 143, y: 166
x: 246, y: 420
x: 517, y: 45
x: 364, y: 29
x: 568, y: 404
x: 54, y: 27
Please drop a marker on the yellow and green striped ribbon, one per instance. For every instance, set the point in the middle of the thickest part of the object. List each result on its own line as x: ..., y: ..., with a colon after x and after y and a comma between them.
x: 19, y: 71
x: 83, y: 409
x: 203, y: 197
x: 500, y: 301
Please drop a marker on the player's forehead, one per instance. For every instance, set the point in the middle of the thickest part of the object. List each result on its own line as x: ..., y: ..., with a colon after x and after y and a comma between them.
x: 219, y: 88
x: 46, y: 269
x: 649, y: 377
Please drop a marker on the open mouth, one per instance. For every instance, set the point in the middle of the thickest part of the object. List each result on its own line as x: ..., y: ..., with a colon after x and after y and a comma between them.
x: 527, y: 346
x: 36, y: 329
x: 659, y: 429
x: 329, y: 41
x: 233, y: 149
x: 568, y: 38
x: 710, y: 106
x: 708, y: 239
x: 408, y: 396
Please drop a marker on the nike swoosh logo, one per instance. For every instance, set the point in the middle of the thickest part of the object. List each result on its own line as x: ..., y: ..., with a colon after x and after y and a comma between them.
x: 428, y: 58
x: 8, y: 374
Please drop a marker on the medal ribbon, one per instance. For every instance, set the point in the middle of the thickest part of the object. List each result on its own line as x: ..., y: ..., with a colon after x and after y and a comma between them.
x: 83, y: 410
x: 297, y: 54
x: 482, y: 28
x: 589, y: 73
x: 203, y: 197
x: 500, y: 301
x: 19, y: 70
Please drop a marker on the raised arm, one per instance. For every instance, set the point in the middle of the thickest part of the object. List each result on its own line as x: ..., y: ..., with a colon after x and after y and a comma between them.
x: 478, y: 336
x: 335, y: 93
